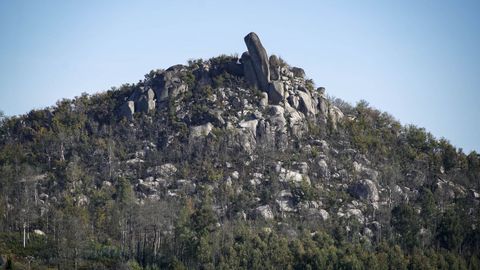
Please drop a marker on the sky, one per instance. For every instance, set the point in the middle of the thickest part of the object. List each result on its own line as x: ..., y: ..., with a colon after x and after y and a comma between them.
x: 417, y: 60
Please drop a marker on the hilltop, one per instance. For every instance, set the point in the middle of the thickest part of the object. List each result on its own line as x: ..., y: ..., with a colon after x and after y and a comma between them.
x: 232, y: 162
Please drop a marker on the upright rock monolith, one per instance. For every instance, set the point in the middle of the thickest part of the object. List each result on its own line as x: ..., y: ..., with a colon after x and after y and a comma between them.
x: 259, y: 58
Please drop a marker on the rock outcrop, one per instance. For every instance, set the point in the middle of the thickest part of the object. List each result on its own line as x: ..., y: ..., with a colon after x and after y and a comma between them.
x: 364, y: 190
x: 259, y: 60
x: 286, y: 106
x: 146, y: 102
x: 200, y: 131
x: 161, y: 86
x: 249, y: 70
x: 172, y: 83
x: 281, y: 85
x: 275, y: 92
x: 265, y: 212
x: 127, y: 110
x: 275, y: 67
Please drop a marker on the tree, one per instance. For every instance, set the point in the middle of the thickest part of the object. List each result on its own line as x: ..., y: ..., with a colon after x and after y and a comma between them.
x: 2, y: 116
x: 450, y: 232
x: 405, y: 222
x: 72, y: 224
x: 124, y: 192
x: 449, y: 154
x: 473, y: 170
x: 428, y: 210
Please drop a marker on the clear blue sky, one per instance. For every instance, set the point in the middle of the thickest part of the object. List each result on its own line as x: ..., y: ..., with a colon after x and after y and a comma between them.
x: 417, y: 60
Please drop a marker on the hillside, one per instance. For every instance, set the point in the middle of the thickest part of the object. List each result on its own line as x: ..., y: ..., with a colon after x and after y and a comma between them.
x: 232, y: 163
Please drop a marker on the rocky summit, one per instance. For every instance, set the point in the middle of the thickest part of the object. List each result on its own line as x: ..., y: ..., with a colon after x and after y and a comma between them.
x: 257, y: 109
x: 232, y: 163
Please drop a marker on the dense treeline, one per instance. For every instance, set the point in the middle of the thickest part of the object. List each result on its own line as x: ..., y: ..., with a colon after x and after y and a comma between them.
x: 198, y: 242
x: 92, y: 219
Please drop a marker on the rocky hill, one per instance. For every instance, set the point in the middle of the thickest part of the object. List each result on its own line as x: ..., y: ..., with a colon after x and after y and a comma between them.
x: 232, y: 162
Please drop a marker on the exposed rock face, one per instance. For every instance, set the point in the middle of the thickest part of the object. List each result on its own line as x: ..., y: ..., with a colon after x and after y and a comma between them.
x: 245, y: 136
x: 302, y: 167
x: 166, y: 170
x: 283, y: 87
x: 264, y: 212
x: 139, y: 101
x: 199, y: 131
x: 150, y: 94
x: 448, y: 189
x: 336, y: 115
x: 249, y: 70
x: 275, y: 92
x: 323, y: 106
x: 127, y: 110
x: 296, y: 121
x: 298, y: 72
x: 285, y: 205
x: 284, y: 107
x: 259, y: 59
x: 307, y: 105
x: 146, y: 102
x: 250, y: 125
x: 292, y: 176
x: 39, y: 232
x: 356, y: 213
x: 294, y: 101
x: 363, y: 171
x: 264, y: 100
x: 364, y: 190
x: 473, y: 194
x: 323, y: 168
x: 274, y: 68
x: 173, y: 85
x: 324, y: 214
x: 82, y: 200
